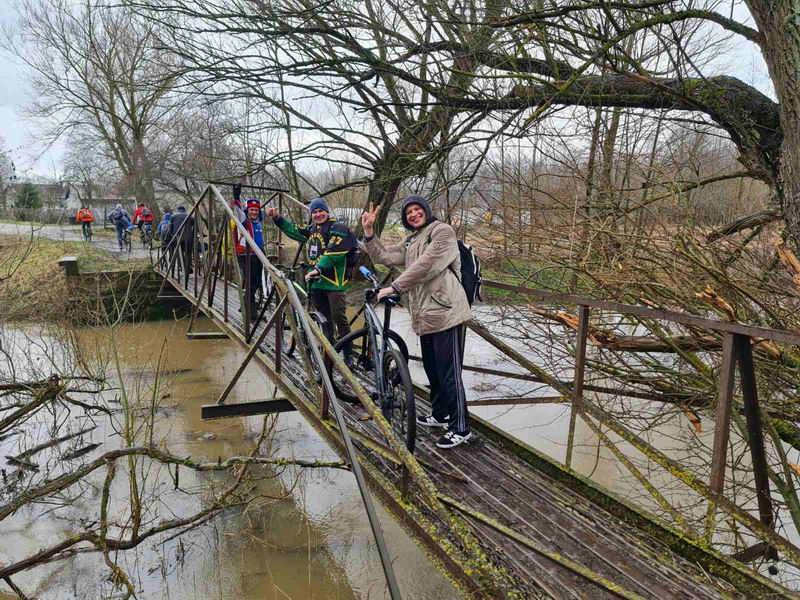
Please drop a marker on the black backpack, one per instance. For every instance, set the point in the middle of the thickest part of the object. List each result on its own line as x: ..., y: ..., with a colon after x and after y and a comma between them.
x: 471, y: 277
x: 470, y: 272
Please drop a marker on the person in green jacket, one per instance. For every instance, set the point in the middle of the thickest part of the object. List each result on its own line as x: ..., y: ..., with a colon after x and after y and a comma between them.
x: 328, y: 243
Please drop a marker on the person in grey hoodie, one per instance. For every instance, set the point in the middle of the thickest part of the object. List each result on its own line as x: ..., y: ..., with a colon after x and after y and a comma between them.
x: 438, y: 305
x: 121, y: 220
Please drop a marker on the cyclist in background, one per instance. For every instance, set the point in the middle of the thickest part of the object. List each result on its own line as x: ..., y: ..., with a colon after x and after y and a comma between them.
x: 121, y: 220
x: 163, y: 226
x: 328, y: 244
x: 85, y: 217
x: 183, y: 242
x: 142, y: 216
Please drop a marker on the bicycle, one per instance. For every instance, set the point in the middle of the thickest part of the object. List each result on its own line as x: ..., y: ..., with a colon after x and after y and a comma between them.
x: 289, y: 343
x: 87, y: 232
x: 380, y: 361
x: 126, y: 240
x: 147, y: 235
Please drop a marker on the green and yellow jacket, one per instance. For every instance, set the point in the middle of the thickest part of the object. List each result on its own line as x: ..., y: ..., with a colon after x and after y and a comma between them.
x: 327, y: 246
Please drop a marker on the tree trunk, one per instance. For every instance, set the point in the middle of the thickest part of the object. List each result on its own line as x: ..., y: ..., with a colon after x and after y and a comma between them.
x: 779, y: 23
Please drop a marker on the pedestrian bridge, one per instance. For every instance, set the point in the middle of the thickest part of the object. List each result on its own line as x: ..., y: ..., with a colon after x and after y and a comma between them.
x: 501, y: 519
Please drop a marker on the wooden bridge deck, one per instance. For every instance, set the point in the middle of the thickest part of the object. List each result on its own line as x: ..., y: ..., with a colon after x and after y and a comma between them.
x: 496, y: 483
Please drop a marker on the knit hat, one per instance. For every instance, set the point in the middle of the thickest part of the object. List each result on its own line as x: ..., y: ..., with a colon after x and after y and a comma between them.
x: 253, y: 203
x: 319, y: 204
x: 420, y: 201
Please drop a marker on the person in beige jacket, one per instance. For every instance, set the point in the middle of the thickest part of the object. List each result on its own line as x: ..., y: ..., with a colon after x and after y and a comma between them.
x: 438, y: 306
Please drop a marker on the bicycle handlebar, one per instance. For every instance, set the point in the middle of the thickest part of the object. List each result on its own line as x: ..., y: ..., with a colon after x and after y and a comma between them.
x: 391, y: 299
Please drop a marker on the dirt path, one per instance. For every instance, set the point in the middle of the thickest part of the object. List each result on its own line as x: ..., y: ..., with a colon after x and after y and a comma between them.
x: 72, y: 233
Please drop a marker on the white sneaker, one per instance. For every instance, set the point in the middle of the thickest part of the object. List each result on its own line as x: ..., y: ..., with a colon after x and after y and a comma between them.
x: 431, y: 421
x: 451, y: 439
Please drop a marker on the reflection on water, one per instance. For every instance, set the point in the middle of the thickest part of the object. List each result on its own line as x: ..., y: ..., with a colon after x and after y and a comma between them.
x: 314, y: 543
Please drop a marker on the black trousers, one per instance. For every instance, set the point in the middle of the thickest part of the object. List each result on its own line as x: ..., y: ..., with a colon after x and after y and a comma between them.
x: 442, y: 359
x: 256, y: 269
x: 333, y: 306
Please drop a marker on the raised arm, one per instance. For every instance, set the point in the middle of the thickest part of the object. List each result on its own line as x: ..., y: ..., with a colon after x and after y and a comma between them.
x: 386, y: 255
x: 289, y: 228
x: 392, y: 255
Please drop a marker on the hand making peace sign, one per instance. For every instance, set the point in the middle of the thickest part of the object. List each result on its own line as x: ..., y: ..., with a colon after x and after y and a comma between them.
x: 368, y: 219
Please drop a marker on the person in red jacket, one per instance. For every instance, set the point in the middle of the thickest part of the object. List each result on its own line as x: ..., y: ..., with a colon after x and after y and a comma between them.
x: 85, y: 217
x: 142, y: 215
x: 252, y: 270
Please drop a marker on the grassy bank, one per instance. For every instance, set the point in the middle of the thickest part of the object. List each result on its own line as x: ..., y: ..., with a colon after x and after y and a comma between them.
x: 33, y: 286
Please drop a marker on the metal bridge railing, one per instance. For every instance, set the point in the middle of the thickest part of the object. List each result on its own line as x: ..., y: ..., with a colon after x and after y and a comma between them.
x: 215, y: 274
x: 736, y: 349
x: 213, y: 222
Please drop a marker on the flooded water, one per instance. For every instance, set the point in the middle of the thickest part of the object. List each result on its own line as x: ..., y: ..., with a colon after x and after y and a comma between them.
x: 308, y: 538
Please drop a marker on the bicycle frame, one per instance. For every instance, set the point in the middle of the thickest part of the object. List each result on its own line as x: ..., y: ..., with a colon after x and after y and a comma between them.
x: 375, y: 328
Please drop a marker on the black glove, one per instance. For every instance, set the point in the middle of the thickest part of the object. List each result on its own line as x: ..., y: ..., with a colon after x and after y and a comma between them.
x: 237, y: 191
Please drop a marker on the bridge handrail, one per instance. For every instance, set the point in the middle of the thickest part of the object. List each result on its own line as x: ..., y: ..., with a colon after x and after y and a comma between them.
x: 712, y: 492
x: 303, y: 321
x: 753, y: 331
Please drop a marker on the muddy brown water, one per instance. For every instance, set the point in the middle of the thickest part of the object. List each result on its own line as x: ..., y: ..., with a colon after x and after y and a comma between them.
x: 315, y: 543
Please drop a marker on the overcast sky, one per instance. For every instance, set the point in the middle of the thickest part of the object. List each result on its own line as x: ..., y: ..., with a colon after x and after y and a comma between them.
x: 19, y: 135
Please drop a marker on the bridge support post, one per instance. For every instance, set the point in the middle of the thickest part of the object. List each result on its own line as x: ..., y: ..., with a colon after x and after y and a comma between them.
x: 722, y: 425
x: 577, y: 385
x: 278, y: 339
x: 755, y: 433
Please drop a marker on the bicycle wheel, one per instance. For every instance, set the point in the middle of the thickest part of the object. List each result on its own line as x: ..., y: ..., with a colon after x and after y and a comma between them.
x: 363, y: 365
x: 89, y: 235
x: 128, y: 242
x: 399, y: 408
x: 309, y: 339
x: 268, y: 292
x: 288, y: 343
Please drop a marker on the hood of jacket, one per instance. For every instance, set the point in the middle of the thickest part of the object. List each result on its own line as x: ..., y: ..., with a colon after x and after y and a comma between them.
x: 423, y: 202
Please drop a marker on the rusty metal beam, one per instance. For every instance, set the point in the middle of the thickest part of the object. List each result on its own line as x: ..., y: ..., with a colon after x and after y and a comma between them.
x: 777, y: 335
x: 722, y: 429
x: 206, y: 335
x: 722, y: 417
x: 253, y: 349
x: 520, y: 401
x: 755, y: 431
x: 244, y: 409
x: 577, y: 380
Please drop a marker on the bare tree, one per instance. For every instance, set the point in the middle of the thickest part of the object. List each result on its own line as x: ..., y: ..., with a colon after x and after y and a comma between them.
x: 7, y: 173
x: 95, y: 68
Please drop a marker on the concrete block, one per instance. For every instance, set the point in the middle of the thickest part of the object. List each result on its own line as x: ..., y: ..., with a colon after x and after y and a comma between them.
x: 69, y: 264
